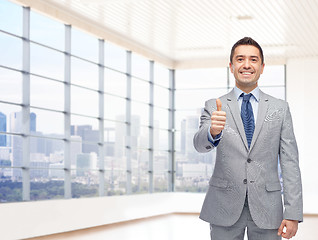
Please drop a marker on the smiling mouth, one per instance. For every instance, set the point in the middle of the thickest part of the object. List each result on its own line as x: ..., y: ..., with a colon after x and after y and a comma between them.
x: 246, y: 73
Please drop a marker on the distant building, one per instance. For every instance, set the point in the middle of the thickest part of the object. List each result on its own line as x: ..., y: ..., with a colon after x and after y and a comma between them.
x: 3, y: 128
x: 56, y: 171
x: 32, y: 122
x: 87, y: 134
x: 16, y: 127
x: 85, y: 162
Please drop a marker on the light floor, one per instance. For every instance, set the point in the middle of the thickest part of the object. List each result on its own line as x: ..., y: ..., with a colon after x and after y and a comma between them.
x: 166, y: 227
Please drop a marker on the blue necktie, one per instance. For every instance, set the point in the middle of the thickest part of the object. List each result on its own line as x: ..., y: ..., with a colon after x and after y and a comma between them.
x: 247, y: 117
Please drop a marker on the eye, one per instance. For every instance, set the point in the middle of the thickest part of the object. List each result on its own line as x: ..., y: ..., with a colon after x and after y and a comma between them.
x: 254, y: 60
x: 240, y: 59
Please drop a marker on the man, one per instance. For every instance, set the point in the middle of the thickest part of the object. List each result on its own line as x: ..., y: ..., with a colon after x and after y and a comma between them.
x: 251, y: 131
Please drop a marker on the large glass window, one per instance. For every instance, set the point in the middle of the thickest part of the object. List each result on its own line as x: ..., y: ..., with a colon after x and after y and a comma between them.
x: 11, y: 51
x: 10, y: 18
x: 63, y: 134
x: 52, y: 36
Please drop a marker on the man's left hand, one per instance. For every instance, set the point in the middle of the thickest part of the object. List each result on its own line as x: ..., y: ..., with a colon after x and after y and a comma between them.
x: 291, y: 228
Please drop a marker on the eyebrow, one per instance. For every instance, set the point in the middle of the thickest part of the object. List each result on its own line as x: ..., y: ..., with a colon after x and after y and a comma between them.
x: 238, y: 56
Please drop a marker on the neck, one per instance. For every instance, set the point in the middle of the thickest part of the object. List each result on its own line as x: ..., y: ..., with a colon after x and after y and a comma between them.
x: 247, y: 89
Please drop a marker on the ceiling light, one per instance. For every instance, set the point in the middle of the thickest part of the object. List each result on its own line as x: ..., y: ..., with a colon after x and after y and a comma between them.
x: 244, y: 17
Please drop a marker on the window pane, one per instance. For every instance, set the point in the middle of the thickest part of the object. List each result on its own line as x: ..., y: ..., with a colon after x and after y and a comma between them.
x: 161, y: 75
x: 140, y: 114
x: 140, y: 90
x: 140, y: 176
x: 84, y: 45
x: 160, y: 166
x: 139, y: 134
x: 140, y: 67
x: 115, y: 108
x: 81, y: 125
x: 161, y: 139
x: 11, y: 51
x: 161, y: 97
x: 46, y: 31
x: 115, y: 179
x: 84, y: 73
x: 84, y: 130
x: 143, y: 140
x: 76, y: 148
x: 115, y: 57
x: 5, y: 151
x: 12, y: 92
x: 192, y: 99
x: 46, y: 93
x: 10, y: 190
x: 43, y: 188
x: 11, y: 17
x: 45, y: 150
x: 182, y: 116
x: 16, y: 143
x: 13, y: 117
x: 193, y: 172
x: 47, y: 123
x: 47, y: 62
x: 115, y: 83
x: 84, y: 182
x: 84, y: 101
x: 115, y: 139
x: 273, y: 76
x: 110, y: 138
x: 161, y: 118
x: 201, y: 78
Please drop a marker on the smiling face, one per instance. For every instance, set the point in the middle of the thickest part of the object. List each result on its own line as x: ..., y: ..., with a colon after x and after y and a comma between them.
x: 247, y: 67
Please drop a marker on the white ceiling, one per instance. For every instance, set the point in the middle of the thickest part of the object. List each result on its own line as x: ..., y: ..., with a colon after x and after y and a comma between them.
x: 193, y: 33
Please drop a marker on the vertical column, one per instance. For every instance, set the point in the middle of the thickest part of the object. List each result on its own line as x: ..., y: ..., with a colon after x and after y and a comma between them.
x: 171, y: 168
x: 151, y: 126
x: 67, y: 113
x: 101, y: 149
x: 128, y: 124
x: 26, y: 106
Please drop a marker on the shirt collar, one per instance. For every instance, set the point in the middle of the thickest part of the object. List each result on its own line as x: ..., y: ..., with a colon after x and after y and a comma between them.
x: 238, y: 92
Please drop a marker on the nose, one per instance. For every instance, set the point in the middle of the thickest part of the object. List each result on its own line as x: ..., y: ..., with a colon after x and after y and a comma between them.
x: 247, y: 64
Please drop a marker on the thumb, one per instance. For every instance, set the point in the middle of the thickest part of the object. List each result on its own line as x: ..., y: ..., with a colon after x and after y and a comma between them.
x: 218, y: 104
x: 280, y: 229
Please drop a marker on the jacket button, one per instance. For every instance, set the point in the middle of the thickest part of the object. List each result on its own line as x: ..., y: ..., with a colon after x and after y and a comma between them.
x: 249, y: 160
x: 245, y: 181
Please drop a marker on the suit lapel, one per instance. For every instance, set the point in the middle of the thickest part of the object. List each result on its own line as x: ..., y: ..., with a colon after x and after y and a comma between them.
x: 262, y: 110
x: 233, y: 106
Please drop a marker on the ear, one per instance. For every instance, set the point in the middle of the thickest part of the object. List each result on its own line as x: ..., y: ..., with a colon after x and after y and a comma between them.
x: 263, y: 65
x: 231, y: 67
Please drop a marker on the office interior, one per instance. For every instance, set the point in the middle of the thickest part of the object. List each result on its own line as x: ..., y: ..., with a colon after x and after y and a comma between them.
x: 99, y: 101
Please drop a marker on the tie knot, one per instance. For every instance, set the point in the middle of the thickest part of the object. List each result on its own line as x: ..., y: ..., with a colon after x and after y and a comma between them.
x: 246, y: 97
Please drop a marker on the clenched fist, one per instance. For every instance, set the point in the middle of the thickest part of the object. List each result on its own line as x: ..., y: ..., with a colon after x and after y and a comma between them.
x: 218, y: 119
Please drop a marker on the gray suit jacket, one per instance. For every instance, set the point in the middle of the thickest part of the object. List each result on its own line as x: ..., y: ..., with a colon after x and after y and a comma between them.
x: 239, y: 169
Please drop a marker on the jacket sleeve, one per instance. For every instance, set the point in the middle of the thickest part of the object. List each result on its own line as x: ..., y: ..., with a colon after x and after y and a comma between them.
x: 289, y: 161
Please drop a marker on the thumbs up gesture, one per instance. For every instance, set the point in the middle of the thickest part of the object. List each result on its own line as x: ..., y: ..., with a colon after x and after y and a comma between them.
x: 218, y: 119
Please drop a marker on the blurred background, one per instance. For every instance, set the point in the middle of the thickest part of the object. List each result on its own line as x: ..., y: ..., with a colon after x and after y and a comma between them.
x: 100, y: 99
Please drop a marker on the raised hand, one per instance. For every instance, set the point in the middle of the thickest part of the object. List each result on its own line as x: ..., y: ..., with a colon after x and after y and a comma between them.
x: 218, y: 119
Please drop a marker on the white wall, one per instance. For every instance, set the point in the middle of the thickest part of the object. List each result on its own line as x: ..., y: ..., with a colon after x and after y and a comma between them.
x: 302, y: 91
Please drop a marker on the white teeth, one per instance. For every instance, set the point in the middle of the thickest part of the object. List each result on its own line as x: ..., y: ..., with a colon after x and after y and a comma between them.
x: 246, y: 73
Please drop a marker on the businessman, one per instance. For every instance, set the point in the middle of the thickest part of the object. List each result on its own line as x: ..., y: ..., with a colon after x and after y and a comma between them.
x: 250, y: 131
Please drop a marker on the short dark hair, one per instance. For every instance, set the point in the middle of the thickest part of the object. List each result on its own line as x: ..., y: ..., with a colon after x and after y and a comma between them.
x: 247, y: 41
